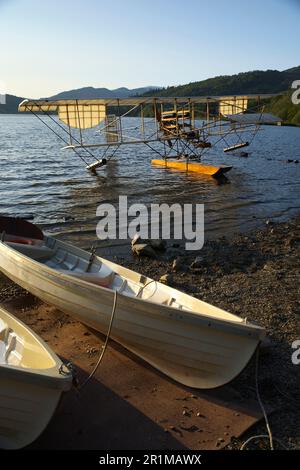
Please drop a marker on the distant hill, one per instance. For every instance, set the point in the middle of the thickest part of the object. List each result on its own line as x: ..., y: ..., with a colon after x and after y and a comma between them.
x: 294, y: 70
x: 92, y: 93
x: 12, y: 102
x: 11, y: 105
x: 283, y: 107
x: 257, y: 81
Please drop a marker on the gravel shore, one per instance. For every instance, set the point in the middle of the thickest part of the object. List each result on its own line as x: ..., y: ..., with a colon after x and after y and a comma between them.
x: 255, y: 276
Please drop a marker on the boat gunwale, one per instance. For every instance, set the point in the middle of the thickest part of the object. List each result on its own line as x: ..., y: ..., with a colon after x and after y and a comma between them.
x: 50, y: 376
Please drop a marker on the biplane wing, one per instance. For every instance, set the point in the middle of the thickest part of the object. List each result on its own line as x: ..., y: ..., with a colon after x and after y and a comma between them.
x: 53, y: 105
x: 254, y: 118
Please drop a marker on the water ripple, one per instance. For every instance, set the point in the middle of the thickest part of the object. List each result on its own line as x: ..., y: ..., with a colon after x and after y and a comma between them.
x: 38, y: 178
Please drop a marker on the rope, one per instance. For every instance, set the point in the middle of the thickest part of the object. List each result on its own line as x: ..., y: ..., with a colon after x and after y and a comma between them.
x: 104, y: 347
x: 57, y: 135
x: 143, y: 287
x: 225, y: 124
x: 269, y: 435
x: 65, y: 130
x: 61, y: 127
x: 262, y: 436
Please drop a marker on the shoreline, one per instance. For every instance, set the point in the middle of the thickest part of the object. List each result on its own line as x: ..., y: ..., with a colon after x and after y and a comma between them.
x: 254, y: 275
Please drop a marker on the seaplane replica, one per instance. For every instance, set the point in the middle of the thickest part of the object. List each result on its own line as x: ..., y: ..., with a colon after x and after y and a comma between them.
x: 181, y: 131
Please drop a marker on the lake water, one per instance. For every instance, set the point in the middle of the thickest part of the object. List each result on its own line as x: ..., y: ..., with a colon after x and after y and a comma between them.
x: 40, y: 179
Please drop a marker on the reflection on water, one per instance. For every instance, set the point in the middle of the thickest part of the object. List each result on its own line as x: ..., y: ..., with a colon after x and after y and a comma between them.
x: 38, y: 178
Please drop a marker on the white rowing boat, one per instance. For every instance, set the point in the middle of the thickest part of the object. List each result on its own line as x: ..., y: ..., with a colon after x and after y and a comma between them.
x: 32, y: 379
x: 191, y: 341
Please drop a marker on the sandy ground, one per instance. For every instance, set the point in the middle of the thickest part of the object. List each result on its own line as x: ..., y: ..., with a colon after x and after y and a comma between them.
x: 130, y: 405
x: 127, y: 404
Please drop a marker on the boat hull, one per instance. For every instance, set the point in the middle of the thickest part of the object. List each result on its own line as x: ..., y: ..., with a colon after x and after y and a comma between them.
x: 25, y: 411
x: 31, y: 383
x: 211, y: 170
x: 195, y: 349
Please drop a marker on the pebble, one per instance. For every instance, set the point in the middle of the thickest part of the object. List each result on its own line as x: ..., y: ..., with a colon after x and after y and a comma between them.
x: 292, y: 241
x: 92, y: 350
x: 178, y: 264
x: 136, y: 238
x: 159, y: 244
x: 166, y: 279
x: 142, y: 249
x: 197, y: 263
x: 192, y: 428
x: 220, y: 440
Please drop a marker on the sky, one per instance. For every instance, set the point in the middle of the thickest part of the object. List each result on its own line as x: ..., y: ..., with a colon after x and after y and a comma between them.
x: 54, y: 45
